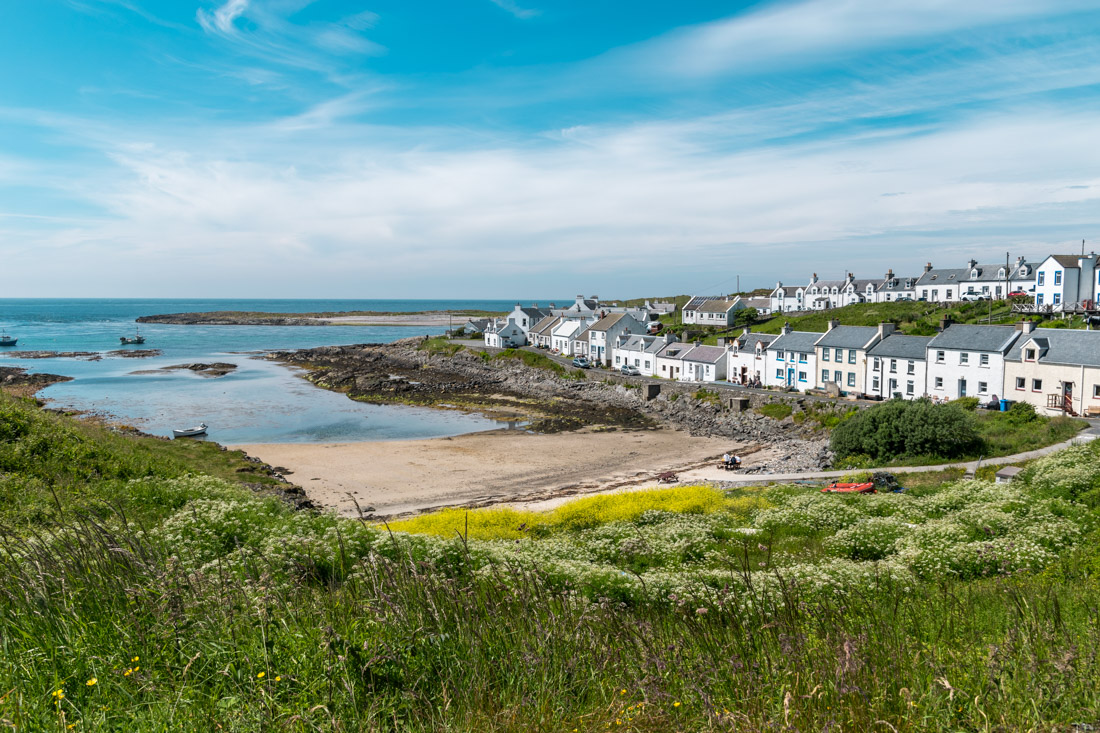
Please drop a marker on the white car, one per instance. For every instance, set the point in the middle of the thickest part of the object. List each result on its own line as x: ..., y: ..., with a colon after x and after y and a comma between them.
x: 629, y: 370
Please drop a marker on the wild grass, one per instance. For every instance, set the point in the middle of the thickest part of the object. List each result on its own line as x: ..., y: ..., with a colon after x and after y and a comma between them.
x: 968, y: 606
x: 539, y: 361
x: 775, y: 410
x: 440, y: 345
x: 912, y: 317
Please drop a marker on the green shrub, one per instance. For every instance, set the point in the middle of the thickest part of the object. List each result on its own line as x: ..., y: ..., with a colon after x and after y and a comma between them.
x: 901, y: 429
x: 1023, y: 413
x: 968, y: 403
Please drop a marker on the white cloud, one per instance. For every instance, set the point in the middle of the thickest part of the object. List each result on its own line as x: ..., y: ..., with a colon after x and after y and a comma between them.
x: 512, y: 7
x: 223, y: 17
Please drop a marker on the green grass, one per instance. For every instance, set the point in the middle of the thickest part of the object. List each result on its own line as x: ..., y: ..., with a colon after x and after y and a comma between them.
x: 775, y: 410
x: 539, y: 361
x: 440, y: 345
x: 912, y: 317
x: 686, y: 609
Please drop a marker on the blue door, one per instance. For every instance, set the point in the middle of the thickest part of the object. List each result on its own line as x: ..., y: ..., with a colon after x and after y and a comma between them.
x: 790, y: 377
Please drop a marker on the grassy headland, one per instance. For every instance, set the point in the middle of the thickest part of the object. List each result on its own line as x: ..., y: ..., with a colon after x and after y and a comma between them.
x: 965, y: 606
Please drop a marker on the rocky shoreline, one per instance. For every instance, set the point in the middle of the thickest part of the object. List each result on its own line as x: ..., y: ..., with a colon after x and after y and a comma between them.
x: 403, y: 373
x: 20, y: 382
x: 340, y: 318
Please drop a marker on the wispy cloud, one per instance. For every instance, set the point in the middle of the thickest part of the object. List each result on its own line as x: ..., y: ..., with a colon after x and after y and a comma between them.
x: 512, y: 7
x: 222, y: 18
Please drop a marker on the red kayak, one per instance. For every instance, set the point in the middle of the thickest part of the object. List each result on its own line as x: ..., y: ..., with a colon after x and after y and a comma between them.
x: 835, y: 488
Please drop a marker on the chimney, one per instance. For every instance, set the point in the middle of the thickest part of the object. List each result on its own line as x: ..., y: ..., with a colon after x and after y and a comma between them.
x: 833, y: 323
x: 1025, y: 326
x: 721, y: 342
x: 596, y: 298
x: 552, y: 306
x: 885, y: 329
x: 814, y: 278
x: 890, y: 274
x: 697, y: 342
x: 945, y: 322
x: 928, y: 267
x: 786, y: 328
x: 534, y: 305
x: 972, y: 264
x: 747, y: 331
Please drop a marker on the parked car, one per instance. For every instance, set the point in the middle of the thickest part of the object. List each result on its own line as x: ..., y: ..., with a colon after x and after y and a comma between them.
x: 581, y: 362
x: 1016, y: 293
x: 630, y: 371
x: 973, y: 297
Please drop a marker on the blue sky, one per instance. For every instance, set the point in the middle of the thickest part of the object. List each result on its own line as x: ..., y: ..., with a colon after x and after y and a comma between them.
x: 524, y: 148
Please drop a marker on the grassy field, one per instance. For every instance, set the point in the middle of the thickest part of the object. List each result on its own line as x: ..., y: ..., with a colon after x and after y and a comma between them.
x: 962, y: 605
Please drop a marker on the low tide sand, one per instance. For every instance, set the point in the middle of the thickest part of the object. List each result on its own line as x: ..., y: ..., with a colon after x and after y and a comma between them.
x: 495, y: 467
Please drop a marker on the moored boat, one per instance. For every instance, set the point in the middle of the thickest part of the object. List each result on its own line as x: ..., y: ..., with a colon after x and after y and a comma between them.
x: 137, y: 338
x: 199, y: 429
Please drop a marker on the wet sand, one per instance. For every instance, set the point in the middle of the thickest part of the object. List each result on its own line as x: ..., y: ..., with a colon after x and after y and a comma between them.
x: 494, y: 467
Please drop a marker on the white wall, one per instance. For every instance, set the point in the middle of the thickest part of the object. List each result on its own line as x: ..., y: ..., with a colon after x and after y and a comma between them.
x: 952, y: 369
x: 878, y: 380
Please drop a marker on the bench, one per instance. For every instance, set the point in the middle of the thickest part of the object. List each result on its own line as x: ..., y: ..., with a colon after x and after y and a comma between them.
x: 1092, y: 411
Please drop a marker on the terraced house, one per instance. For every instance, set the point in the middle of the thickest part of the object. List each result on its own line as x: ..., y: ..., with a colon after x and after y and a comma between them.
x: 792, y: 360
x: 897, y: 367
x: 746, y: 357
x: 1055, y: 369
x: 968, y: 361
x: 842, y: 355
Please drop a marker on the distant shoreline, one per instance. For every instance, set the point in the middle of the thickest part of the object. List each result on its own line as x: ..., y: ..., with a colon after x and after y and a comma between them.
x: 431, y: 319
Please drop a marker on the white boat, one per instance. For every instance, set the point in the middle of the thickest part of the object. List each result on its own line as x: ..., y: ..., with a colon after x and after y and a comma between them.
x: 200, y: 429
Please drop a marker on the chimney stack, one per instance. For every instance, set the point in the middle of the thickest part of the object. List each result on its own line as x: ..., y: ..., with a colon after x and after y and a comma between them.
x: 786, y: 328
x: 945, y: 322
x: 1025, y: 326
x: 928, y: 267
x: 833, y: 323
x: 890, y: 274
x: 972, y: 264
x: 885, y: 329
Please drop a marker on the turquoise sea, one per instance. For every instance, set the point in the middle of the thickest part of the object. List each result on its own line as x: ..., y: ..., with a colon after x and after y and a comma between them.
x: 261, y: 402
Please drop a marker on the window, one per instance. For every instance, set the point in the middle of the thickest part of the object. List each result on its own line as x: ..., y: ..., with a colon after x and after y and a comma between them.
x: 939, y: 357
x: 1096, y: 391
x: 790, y: 356
x: 1036, y: 385
x: 647, y: 363
x: 964, y: 358
x: 779, y: 356
x: 1057, y: 277
x: 983, y: 360
x: 1021, y: 383
x: 637, y: 362
x: 851, y: 356
x: 1057, y: 298
x: 838, y: 355
x: 924, y: 293
x: 802, y: 376
x: 616, y: 359
x: 851, y: 379
x: 909, y: 387
x: 911, y: 367
x: 801, y: 358
x: 939, y: 382
x: 874, y: 384
x: 824, y: 375
x: 1041, y: 279
x: 877, y: 364
x: 982, y: 387
x: 825, y: 355
x: 779, y: 374
x: 893, y: 366
x: 1039, y: 299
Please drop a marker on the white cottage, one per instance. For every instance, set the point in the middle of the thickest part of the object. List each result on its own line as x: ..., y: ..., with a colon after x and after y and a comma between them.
x: 968, y: 361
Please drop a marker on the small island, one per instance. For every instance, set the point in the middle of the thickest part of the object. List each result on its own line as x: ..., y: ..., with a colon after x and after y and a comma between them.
x: 429, y: 319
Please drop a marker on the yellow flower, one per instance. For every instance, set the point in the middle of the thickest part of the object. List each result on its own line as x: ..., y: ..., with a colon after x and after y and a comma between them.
x: 278, y: 678
x: 91, y: 682
x: 127, y: 673
x: 260, y: 676
x: 59, y: 694
x: 136, y: 668
x: 622, y: 692
x: 676, y: 704
x: 135, y: 659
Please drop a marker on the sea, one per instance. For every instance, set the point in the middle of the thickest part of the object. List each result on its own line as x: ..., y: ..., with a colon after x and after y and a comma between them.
x: 260, y: 402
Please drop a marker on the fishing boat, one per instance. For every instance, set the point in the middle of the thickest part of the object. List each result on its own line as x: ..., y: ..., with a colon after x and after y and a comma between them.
x: 6, y: 340
x: 199, y: 429
x: 137, y: 338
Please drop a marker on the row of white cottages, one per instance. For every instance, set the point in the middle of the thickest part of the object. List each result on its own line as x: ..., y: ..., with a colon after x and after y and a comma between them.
x: 1054, y: 369
x: 1059, y: 281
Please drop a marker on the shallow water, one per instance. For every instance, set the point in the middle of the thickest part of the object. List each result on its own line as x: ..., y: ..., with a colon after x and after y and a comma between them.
x: 261, y: 402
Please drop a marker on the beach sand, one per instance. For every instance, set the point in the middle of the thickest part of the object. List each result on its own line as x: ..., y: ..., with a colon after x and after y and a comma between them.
x: 494, y: 467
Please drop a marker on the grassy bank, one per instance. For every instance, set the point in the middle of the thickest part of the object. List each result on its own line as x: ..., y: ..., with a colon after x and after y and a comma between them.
x: 958, y: 606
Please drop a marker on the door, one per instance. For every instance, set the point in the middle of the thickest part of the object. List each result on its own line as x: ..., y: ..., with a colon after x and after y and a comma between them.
x: 1067, y: 397
x: 790, y: 377
x: 893, y: 389
x: 962, y: 388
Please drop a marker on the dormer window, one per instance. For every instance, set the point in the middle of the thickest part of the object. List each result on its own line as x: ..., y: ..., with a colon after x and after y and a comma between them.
x: 1001, y: 273
x: 973, y: 274
x: 1029, y: 354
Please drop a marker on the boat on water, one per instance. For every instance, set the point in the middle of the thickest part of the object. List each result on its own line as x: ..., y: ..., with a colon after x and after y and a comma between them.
x: 199, y: 429
x: 137, y: 338
x: 6, y: 340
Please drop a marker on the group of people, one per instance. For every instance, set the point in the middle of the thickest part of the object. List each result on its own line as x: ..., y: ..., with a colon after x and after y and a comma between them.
x: 730, y: 461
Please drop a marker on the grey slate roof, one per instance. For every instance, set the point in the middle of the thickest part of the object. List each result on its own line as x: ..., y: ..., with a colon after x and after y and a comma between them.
x: 848, y: 337
x: 749, y: 341
x: 1065, y: 260
x: 697, y: 301
x: 901, y: 347
x: 707, y: 354
x: 534, y: 314
x: 944, y: 277
x: 799, y: 341
x: 896, y: 284
x: 967, y: 337
x: 716, y: 306
x: 546, y: 324
x: 757, y: 303
x: 1062, y: 346
x: 645, y: 344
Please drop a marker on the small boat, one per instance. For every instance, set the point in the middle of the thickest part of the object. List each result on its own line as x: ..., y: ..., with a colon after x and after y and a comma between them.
x: 6, y: 340
x: 199, y: 429
x: 863, y: 488
x: 137, y: 338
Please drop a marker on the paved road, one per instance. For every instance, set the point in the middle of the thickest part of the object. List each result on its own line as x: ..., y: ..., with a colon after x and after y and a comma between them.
x: 717, y: 474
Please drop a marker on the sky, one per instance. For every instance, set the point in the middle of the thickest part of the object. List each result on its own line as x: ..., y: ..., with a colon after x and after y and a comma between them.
x: 532, y: 148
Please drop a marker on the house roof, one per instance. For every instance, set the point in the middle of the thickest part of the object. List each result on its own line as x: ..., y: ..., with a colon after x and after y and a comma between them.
x: 545, y: 325
x: 645, y: 344
x: 897, y: 283
x: 1061, y: 346
x: 607, y: 321
x: 757, y: 303
x: 862, y: 284
x: 962, y: 336
x: 1065, y: 260
x: 747, y: 342
x: 707, y: 354
x: 945, y: 277
x: 583, y: 335
x: 848, y: 337
x: 674, y: 350
x: 802, y: 341
x: 697, y: 301
x: 901, y: 347
x: 838, y: 284
x: 717, y: 306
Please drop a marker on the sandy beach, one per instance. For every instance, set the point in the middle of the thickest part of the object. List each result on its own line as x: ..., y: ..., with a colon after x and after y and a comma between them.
x: 494, y: 467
